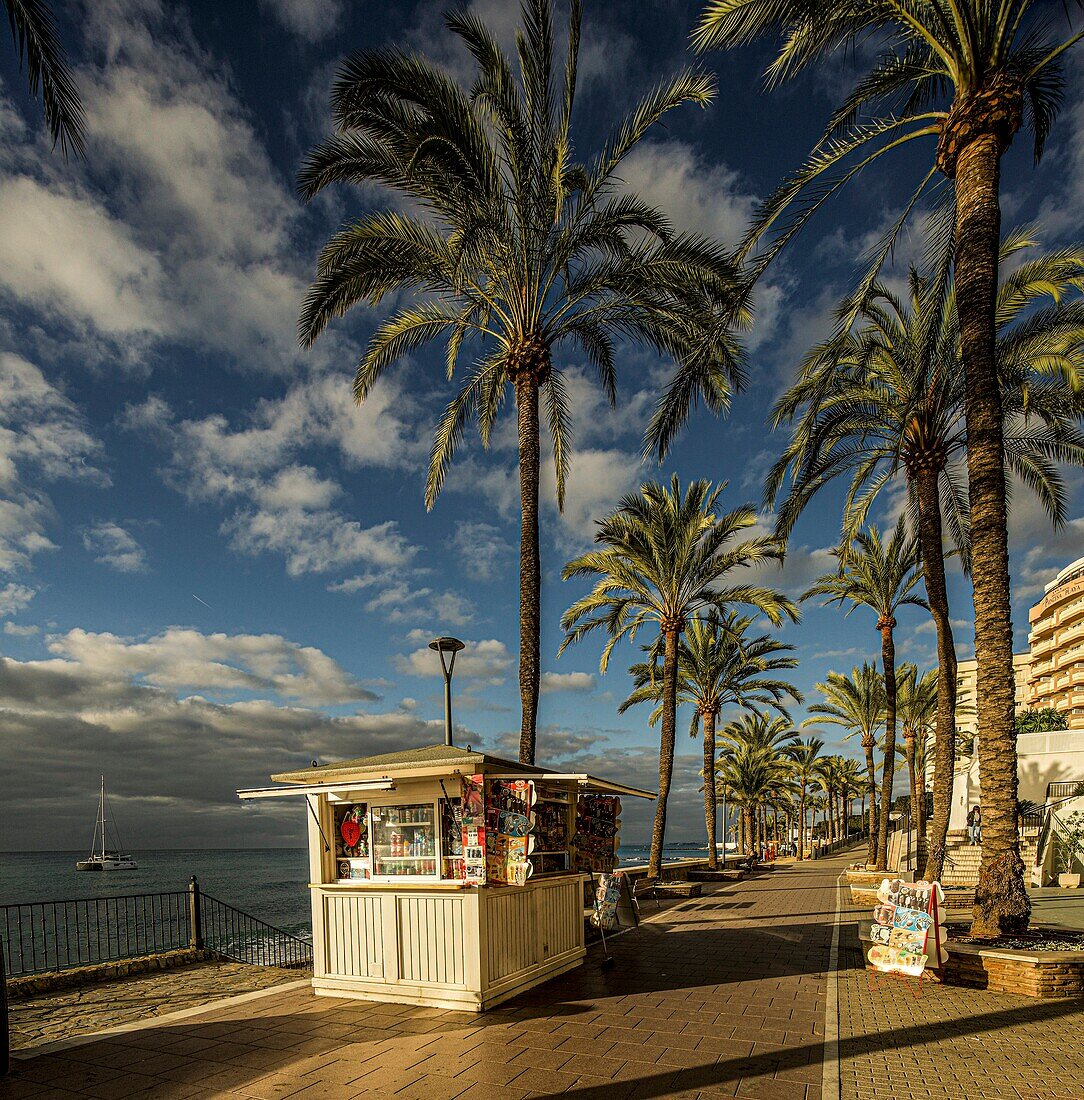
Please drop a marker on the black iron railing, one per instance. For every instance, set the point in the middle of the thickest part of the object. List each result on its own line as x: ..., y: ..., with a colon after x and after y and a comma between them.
x: 45, y: 936
x: 240, y: 936
x: 1071, y: 789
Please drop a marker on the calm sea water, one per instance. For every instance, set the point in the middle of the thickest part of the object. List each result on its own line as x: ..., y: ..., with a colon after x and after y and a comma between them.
x: 269, y: 883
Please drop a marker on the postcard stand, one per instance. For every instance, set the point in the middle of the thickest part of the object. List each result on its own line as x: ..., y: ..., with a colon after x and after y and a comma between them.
x: 934, y: 933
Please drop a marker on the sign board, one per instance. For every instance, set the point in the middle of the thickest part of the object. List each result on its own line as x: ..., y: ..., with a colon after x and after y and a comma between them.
x: 907, y: 933
x: 615, y: 903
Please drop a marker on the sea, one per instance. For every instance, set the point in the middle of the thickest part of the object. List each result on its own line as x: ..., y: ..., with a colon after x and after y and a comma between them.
x: 269, y: 883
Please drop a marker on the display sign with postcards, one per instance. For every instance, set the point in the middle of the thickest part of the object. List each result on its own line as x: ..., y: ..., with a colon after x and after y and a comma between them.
x: 352, y: 842
x: 598, y: 829
x: 906, y: 935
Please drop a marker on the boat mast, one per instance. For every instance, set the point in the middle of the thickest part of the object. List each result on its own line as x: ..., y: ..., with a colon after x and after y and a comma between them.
x: 101, y: 803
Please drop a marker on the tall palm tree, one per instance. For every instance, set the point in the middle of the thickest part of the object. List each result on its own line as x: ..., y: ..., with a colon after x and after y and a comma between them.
x: 37, y: 44
x: 966, y: 74
x: 718, y: 666
x: 850, y: 783
x: 511, y: 252
x: 917, y: 701
x: 805, y: 768
x: 666, y: 557
x: 887, y: 397
x: 857, y: 704
x: 882, y: 576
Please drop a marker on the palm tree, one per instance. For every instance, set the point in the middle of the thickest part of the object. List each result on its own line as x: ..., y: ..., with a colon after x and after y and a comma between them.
x: 881, y: 576
x: 967, y: 74
x: 856, y: 703
x: 718, y: 666
x: 887, y: 396
x: 510, y: 252
x: 917, y: 701
x: 753, y: 775
x: 665, y: 557
x: 38, y: 47
x: 850, y: 782
x: 805, y: 768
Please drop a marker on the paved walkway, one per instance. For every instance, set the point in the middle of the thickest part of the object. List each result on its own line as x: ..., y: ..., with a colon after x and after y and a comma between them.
x: 716, y: 996
x: 90, y: 1008
x: 950, y: 1042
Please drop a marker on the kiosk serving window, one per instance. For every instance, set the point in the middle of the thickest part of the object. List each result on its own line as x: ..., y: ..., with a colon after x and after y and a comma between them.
x: 404, y: 840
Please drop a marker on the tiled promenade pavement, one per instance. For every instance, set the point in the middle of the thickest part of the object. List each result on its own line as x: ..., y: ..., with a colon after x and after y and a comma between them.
x: 715, y: 996
x: 951, y: 1043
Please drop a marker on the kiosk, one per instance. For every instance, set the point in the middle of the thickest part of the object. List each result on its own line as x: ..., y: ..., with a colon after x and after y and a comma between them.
x: 449, y: 878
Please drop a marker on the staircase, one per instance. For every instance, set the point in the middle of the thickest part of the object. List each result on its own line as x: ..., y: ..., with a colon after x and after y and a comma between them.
x: 962, y: 859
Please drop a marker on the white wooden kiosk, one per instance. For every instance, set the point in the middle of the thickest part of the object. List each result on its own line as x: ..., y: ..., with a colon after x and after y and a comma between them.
x: 445, y: 877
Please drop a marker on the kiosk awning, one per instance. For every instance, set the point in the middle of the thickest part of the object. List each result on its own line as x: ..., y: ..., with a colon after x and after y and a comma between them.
x: 283, y: 790
x: 584, y: 780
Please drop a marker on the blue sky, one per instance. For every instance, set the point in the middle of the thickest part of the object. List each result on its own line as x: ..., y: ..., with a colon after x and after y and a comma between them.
x: 213, y: 566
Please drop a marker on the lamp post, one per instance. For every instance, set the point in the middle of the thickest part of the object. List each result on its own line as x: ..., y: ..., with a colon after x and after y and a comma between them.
x: 449, y: 646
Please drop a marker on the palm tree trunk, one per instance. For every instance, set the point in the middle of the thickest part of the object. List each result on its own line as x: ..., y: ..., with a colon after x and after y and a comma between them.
x: 747, y: 828
x: 871, y: 772
x: 666, y: 749
x: 709, y: 788
x: 909, y: 756
x: 530, y: 571
x: 801, y: 824
x: 888, y: 767
x: 1001, y: 900
x: 933, y: 568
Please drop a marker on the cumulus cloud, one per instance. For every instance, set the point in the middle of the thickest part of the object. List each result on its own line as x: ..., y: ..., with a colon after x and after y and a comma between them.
x: 310, y: 20
x: 43, y: 438
x: 181, y: 658
x: 17, y: 630
x: 482, y: 552
x: 401, y: 597
x: 14, y: 597
x: 487, y: 661
x: 277, y: 505
x: 567, y: 681
x: 112, y: 545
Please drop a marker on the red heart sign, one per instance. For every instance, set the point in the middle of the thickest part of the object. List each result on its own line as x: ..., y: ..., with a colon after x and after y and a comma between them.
x: 351, y: 832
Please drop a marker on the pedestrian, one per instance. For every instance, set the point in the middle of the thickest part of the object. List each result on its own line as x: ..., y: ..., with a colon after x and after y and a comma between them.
x: 973, y: 825
x: 978, y: 826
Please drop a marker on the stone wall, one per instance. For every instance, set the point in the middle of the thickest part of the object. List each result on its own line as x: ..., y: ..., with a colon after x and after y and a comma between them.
x: 1032, y: 973
x: 33, y: 984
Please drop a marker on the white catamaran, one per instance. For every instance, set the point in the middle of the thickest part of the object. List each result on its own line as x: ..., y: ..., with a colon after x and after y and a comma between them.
x: 101, y: 857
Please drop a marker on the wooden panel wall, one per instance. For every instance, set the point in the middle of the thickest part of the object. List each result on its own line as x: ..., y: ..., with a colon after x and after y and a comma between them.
x: 431, y: 940
x: 354, y: 936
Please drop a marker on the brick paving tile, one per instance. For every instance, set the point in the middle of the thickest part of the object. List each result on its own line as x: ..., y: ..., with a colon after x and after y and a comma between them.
x: 703, y: 1001
x: 949, y: 1042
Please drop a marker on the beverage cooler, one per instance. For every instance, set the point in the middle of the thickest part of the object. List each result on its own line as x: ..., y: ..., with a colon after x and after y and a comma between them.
x: 445, y: 877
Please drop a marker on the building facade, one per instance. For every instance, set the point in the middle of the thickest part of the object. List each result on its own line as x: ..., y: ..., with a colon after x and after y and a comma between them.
x: 967, y: 688
x: 1056, y: 674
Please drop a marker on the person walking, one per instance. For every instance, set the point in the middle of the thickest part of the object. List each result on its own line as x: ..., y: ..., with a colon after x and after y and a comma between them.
x: 974, y: 825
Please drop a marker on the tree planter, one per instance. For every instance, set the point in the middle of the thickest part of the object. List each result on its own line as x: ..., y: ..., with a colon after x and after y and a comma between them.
x: 1033, y: 973
x: 1069, y: 882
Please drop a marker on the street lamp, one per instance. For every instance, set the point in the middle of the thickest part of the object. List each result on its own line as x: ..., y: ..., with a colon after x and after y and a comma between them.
x: 450, y: 646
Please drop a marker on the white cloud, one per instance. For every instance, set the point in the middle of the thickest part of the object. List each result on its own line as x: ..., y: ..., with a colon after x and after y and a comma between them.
x: 18, y: 631
x: 277, y: 505
x: 698, y: 197
x: 567, y: 681
x: 181, y: 657
x: 487, y: 660
x: 311, y: 20
x: 406, y: 599
x: 482, y: 552
x: 14, y: 597
x: 43, y: 437
x: 112, y: 545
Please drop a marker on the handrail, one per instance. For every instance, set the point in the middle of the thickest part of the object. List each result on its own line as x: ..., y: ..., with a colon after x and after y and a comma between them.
x: 47, y: 936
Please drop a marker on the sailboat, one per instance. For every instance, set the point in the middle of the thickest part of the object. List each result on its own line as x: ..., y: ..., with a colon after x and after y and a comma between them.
x: 101, y: 858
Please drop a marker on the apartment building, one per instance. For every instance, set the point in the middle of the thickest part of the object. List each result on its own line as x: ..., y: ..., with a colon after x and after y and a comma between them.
x: 1056, y: 674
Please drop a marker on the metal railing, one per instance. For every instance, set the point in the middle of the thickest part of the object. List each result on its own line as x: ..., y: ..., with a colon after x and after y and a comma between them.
x: 1071, y: 789
x: 46, y: 936
x: 244, y: 938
